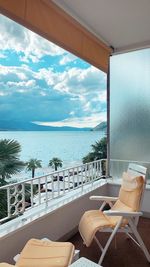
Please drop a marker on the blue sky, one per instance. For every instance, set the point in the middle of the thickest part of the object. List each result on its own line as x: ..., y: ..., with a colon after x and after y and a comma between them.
x: 44, y: 84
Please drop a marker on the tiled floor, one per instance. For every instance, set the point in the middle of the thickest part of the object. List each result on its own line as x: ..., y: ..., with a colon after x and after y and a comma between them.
x: 127, y: 254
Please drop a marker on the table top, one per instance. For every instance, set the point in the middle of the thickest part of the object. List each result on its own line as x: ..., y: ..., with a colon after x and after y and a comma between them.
x: 83, y: 262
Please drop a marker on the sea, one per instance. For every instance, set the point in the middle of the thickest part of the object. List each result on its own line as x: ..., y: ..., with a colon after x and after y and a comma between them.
x: 69, y: 146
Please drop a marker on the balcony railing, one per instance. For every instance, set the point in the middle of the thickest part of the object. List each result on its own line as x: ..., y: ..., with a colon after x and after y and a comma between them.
x: 31, y: 193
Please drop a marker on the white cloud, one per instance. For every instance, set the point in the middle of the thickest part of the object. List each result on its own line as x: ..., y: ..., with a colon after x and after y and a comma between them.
x: 19, y: 39
x: 72, y: 113
x: 3, y: 93
x: 19, y: 72
x: 75, y: 81
x: 21, y: 76
x: 67, y: 58
x: 29, y: 83
x: 100, y: 96
x: 50, y: 77
x: 87, y: 106
x: 80, y: 81
x: 89, y: 121
x: 43, y: 93
x: 16, y: 80
x: 2, y: 55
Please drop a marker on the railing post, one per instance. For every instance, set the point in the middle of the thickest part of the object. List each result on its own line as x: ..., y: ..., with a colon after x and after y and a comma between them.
x: 68, y: 181
x: 58, y: 184
x: 78, y: 182
x: 23, y: 198
x: 73, y: 177
x: 92, y: 172
x: 52, y: 181
x: 81, y: 179
x: 46, y: 192
x: 39, y: 190
x: 31, y: 188
x: 8, y: 203
x: 64, y: 182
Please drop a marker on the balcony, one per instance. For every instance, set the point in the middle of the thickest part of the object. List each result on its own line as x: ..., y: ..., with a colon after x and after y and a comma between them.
x: 57, y: 202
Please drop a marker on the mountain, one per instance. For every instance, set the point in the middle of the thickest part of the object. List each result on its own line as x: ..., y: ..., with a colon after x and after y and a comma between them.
x: 101, y: 126
x: 29, y: 126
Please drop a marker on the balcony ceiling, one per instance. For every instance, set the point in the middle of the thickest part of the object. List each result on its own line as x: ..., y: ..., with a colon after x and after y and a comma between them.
x: 124, y: 25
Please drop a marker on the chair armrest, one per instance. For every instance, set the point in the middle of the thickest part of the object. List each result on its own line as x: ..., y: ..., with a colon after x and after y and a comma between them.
x: 104, y: 198
x: 122, y: 213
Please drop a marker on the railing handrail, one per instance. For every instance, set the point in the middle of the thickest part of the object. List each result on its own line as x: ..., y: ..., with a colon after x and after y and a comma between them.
x: 48, y: 174
x: 134, y: 161
x: 53, y: 185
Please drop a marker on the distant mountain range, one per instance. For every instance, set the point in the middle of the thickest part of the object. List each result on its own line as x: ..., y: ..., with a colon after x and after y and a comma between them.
x: 101, y: 126
x: 29, y: 126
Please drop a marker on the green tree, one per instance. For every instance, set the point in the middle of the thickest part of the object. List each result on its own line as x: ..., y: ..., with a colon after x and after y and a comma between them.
x: 55, y: 163
x: 99, y: 151
x: 33, y: 164
x: 9, y: 158
x: 3, y: 200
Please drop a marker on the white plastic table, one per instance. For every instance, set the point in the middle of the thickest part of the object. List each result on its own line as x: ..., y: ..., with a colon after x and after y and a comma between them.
x: 83, y: 262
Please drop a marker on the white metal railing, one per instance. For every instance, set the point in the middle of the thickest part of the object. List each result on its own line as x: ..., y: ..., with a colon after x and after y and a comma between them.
x: 28, y: 194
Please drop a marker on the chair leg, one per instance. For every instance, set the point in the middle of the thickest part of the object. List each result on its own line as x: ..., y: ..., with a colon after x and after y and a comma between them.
x: 98, y: 243
x: 115, y: 241
x: 139, y: 239
x: 109, y: 241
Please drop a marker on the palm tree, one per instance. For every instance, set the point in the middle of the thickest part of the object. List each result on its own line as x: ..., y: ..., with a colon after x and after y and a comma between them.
x: 99, y: 151
x: 33, y: 164
x: 9, y: 158
x: 55, y: 162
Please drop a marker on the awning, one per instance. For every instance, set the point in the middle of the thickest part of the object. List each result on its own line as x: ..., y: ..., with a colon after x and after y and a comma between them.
x: 48, y: 20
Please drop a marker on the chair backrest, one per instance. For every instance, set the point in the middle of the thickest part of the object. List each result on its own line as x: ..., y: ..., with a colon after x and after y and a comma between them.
x: 136, y: 170
x: 132, y: 188
x: 139, y: 170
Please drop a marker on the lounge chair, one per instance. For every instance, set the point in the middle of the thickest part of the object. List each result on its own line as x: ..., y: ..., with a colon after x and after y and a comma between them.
x: 43, y: 253
x: 123, y: 215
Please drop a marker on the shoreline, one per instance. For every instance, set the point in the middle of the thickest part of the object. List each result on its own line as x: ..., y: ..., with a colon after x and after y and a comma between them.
x: 24, y: 175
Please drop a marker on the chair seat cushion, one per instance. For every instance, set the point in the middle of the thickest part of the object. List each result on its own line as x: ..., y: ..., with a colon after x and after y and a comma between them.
x: 41, y: 253
x: 92, y: 221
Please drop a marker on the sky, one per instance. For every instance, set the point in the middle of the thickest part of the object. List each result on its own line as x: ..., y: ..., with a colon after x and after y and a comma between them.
x: 46, y: 85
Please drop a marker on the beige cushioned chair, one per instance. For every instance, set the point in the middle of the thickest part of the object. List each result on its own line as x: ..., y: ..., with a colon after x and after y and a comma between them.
x: 122, y: 216
x: 42, y: 253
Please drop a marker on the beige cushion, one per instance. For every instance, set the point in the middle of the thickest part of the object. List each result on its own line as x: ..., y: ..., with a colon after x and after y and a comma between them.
x: 92, y: 221
x: 41, y: 253
x: 3, y: 264
x: 129, y: 183
x: 132, y: 197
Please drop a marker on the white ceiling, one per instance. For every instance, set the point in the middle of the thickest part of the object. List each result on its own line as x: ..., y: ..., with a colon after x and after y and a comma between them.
x: 122, y: 24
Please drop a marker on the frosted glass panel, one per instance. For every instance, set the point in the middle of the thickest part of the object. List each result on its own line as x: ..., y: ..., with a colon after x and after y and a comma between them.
x: 130, y: 106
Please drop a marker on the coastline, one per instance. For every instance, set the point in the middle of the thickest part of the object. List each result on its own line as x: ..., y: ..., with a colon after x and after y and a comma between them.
x: 24, y: 175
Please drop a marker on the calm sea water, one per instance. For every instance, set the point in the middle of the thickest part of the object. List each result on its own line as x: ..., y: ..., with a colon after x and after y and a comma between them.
x: 69, y: 146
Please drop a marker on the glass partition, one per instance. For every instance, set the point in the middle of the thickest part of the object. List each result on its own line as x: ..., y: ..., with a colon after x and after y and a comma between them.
x: 129, y: 109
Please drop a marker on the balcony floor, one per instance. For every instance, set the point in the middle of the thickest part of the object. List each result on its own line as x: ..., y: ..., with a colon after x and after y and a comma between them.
x: 127, y: 253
